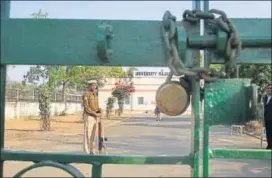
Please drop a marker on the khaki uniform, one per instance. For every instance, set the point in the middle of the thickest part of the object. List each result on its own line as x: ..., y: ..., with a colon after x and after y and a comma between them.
x: 90, y: 103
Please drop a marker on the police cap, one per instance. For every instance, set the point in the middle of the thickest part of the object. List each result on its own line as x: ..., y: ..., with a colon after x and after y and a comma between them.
x: 92, y: 82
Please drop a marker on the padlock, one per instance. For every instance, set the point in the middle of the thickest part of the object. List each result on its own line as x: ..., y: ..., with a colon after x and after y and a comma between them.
x: 173, y: 98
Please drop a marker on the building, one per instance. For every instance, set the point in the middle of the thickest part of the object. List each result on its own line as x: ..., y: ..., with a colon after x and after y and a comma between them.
x: 146, y: 84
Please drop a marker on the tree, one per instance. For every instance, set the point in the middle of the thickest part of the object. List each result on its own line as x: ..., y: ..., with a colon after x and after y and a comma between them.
x: 44, y: 105
x: 52, y: 76
x: 130, y: 72
x: 120, y: 91
x: 118, y: 72
x: 216, y: 67
x: 62, y: 76
x: 39, y: 14
x: 84, y: 74
x: 260, y: 75
x: 37, y: 73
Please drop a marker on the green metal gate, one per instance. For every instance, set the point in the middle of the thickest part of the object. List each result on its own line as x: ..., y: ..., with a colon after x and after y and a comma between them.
x: 30, y: 42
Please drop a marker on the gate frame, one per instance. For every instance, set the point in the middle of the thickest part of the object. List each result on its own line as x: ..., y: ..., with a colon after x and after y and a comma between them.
x: 209, y: 153
x: 62, y: 160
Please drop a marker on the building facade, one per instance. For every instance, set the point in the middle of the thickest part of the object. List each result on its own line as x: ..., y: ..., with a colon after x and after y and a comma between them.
x: 146, y: 84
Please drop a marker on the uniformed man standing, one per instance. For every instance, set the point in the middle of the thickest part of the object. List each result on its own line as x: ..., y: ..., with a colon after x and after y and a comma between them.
x: 91, y: 116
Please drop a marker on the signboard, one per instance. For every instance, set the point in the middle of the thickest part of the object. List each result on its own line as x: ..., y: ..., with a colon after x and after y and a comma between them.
x: 150, y: 74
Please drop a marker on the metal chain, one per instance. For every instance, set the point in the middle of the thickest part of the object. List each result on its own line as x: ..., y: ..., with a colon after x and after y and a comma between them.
x: 234, y: 44
x: 176, y: 65
x: 233, y: 47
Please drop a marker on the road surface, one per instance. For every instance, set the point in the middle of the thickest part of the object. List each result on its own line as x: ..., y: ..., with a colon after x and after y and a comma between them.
x: 142, y: 135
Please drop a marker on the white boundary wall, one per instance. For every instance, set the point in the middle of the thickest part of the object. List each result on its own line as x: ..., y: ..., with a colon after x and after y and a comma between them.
x: 15, y: 110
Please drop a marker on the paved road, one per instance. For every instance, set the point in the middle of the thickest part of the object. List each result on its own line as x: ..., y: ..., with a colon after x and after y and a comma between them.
x: 142, y: 135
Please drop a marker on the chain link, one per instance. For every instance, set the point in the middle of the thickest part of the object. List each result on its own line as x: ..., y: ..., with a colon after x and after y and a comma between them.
x: 234, y: 44
x: 232, y: 51
x: 176, y: 65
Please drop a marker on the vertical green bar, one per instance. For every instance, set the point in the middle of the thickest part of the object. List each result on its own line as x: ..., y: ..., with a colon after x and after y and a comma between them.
x: 206, y: 126
x: 97, y: 170
x: 206, y: 147
x: 196, y: 130
x: 206, y: 9
x: 195, y: 111
x: 2, y: 116
x: 5, y: 10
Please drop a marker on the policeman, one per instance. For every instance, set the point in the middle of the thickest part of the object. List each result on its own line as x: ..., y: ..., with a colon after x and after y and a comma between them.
x: 91, y: 115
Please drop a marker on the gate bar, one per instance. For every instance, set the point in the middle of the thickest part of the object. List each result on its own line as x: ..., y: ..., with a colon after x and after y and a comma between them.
x: 97, y: 169
x: 195, y: 130
x: 74, y: 42
x: 91, y: 159
x: 206, y: 126
x: 201, y: 42
x: 241, y: 154
x: 5, y: 14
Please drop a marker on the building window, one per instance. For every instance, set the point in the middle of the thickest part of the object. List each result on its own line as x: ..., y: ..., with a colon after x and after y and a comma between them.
x: 140, y: 100
x: 127, y: 100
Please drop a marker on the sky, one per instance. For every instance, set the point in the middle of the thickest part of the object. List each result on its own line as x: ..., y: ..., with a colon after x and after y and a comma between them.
x: 127, y: 10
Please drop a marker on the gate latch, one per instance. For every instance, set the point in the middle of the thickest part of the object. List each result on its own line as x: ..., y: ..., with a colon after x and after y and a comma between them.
x: 104, y: 36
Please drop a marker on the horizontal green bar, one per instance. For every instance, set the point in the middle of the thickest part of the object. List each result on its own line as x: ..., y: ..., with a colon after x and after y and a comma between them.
x: 93, y: 159
x: 256, y: 41
x: 250, y: 28
x: 73, y: 41
x: 201, y: 42
x: 241, y: 153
